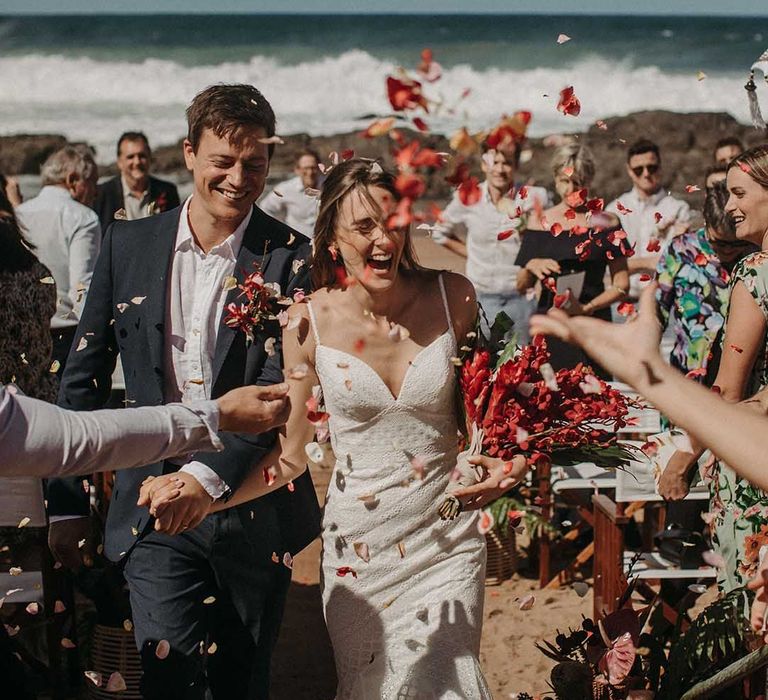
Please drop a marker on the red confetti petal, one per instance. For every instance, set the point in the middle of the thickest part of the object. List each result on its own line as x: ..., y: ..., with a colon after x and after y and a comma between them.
x: 343, y: 571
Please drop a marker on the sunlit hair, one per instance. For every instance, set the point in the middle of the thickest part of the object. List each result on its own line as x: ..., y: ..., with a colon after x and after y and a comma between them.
x: 754, y: 162
x: 227, y: 110
x: 579, y: 159
x: 715, y: 216
x: 76, y: 160
x: 355, y: 175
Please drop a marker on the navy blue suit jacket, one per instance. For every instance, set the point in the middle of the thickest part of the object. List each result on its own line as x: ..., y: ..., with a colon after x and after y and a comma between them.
x: 135, y: 262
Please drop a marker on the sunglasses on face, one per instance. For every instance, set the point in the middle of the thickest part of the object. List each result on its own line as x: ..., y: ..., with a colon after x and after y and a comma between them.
x: 652, y: 169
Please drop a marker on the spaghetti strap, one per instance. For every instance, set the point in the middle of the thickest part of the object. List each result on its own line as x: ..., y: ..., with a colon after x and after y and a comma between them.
x: 445, y: 302
x: 313, y: 322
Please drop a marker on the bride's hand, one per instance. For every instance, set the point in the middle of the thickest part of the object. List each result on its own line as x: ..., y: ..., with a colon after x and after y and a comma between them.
x: 498, y: 477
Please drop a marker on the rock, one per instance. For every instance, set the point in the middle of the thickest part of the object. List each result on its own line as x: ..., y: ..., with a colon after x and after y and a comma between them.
x: 23, y: 154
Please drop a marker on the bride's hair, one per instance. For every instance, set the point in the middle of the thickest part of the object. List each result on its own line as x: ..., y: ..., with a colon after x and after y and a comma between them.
x: 754, y: 162
x: 356, y: 174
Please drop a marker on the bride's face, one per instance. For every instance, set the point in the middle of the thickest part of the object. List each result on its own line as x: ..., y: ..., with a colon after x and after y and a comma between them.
x: 371, y: 252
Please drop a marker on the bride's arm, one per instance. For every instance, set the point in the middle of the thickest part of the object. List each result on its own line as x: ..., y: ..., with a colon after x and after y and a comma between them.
x: 287, y: 460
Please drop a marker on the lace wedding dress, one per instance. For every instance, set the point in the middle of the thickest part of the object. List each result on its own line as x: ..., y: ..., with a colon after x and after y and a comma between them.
x: 402, y: 590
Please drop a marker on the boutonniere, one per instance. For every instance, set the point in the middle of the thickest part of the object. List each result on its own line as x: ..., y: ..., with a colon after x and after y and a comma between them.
x: 158, y: 205
x: 262, y: 303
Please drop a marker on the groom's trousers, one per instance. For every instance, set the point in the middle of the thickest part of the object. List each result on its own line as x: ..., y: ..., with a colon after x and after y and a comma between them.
x: 217, y: 599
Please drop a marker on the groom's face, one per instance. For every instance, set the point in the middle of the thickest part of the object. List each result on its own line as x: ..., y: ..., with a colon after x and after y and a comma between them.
x: 229, y: 173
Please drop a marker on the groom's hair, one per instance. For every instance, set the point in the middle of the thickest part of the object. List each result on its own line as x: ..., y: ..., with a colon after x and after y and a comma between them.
x: 226, y: 110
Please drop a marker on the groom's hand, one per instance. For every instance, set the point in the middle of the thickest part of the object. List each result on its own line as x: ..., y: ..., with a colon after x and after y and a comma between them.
x: 178, y: 502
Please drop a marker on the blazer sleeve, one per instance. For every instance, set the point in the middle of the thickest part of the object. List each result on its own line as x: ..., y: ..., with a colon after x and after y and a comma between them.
x: 243, y: 451
x: 87, y: 379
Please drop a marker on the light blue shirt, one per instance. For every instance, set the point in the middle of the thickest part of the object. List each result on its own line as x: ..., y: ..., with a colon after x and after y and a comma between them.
x: 67, y: 237
x: 40, y: 439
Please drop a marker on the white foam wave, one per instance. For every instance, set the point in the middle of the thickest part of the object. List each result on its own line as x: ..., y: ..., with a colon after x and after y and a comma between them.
x: 93, y: 100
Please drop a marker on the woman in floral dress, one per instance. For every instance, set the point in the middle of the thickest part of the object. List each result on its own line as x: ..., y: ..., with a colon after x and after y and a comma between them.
x: 738, y: 509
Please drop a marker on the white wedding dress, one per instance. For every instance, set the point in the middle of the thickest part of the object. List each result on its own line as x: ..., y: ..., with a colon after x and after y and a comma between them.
x: 407, y: 622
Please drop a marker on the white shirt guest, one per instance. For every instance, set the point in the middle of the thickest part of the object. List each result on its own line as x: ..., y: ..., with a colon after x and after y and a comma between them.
x: 64, y: 230
x: 289, y: 201
x: 491, y: 262
x: 647, y: 212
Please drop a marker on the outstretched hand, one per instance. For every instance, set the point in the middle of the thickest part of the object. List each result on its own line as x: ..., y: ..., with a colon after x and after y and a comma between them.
x: 624, y: 349
x: 498, y: 477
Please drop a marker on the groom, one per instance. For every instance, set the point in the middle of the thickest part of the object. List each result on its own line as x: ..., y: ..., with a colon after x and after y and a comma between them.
x: 215, y: 591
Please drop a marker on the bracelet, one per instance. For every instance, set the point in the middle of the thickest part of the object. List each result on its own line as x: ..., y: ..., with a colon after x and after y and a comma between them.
x: 623, y: 292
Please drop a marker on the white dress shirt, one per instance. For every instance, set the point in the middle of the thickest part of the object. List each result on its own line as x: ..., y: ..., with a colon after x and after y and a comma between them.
x: 292, y: 206
x: 194, y: 305
x: 490, y: 262
x: 67, y: 238
x: 135, y: 207
x: 40, y: 439
x: 640, y: 223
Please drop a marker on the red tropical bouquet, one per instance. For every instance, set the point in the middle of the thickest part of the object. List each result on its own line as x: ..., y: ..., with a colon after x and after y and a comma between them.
x: 523, y: 406
x: 515, y: 403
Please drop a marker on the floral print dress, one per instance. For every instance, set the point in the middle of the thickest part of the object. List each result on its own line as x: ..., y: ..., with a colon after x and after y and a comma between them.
x: 739, y: 511
x: 693, y: 293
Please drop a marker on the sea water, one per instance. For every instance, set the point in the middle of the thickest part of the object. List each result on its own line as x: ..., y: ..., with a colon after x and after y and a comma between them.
x: 90, y: 77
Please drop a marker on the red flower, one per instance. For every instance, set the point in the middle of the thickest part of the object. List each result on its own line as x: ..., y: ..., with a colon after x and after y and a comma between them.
x: 568, y: 103
x: 469, y: 192
x: 410, y: 185
x: 405, y: 94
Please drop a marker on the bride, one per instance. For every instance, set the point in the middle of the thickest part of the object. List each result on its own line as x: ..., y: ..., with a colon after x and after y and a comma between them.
x: 402, y: 589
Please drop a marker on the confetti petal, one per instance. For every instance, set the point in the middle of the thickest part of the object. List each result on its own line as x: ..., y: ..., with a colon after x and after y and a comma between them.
x: 527, y: 602
x: 137, y: 300
x: 162, y: 649
x: 361, y: 549
x: 116, y: 683
x: 562, y: 38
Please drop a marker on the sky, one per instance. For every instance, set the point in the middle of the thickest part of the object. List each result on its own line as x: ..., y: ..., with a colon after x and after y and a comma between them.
x: 664, y: 7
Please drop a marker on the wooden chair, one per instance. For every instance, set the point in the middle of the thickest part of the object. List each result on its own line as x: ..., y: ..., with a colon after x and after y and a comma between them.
x: 635, y: 489
x: 22, y: 506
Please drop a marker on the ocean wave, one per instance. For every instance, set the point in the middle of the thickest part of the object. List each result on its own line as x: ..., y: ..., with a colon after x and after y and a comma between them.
x: 93, y: 100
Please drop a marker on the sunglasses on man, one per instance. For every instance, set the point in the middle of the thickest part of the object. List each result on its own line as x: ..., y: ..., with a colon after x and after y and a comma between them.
x: 652, y: 169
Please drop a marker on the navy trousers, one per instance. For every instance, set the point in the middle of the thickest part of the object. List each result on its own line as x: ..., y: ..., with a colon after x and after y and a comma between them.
x: 216, y: 600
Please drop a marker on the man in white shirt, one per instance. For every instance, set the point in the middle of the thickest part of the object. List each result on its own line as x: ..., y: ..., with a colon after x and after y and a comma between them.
x: 493, y: 228
x: 67, y: 236
x: 648, y: 213
x: 295, y: 201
